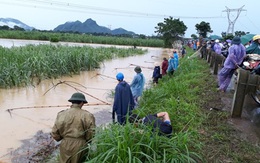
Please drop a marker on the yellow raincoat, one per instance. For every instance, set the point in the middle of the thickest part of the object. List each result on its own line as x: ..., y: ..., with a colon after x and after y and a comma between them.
x: 75, y: 127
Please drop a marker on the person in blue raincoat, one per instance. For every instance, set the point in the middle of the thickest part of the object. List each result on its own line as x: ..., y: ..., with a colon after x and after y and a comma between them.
x: 123, y: 100
x: 137, y: 85
x: 173, y: 63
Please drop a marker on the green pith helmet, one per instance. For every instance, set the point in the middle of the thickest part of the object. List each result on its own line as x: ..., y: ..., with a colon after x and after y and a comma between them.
x: 138, y: 69
x: 78, y: 97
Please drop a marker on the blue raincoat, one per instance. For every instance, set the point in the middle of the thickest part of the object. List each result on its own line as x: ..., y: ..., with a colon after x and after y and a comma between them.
x: 137, y: 85
x: 173, y: 63
x: 123, y: 102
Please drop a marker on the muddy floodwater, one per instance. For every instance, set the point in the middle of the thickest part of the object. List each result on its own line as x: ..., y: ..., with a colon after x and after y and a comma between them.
x: 37, y: 106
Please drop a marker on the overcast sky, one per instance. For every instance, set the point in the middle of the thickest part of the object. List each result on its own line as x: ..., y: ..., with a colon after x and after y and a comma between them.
x: 139, y: 16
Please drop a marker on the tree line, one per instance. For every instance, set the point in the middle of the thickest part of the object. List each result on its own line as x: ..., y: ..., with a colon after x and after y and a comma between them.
x: 169, y: 31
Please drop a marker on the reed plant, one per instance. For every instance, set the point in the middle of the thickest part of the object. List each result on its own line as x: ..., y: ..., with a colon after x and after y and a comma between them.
x: 21, y: 66
x: 82, y: 38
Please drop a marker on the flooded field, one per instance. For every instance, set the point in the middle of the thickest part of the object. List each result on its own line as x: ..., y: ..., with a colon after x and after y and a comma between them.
x: 28, y: 110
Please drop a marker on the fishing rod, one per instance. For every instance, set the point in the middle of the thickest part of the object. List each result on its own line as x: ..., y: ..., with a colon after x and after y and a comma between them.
x: 136, y: 65
x: 106, y: 76
x: 197, y: 53
x: 141, y: 66
x: 51, y: 106
x: 67, y: 83
x: 121, y: 68
x: 154, y: 56
x: 62, y: 82
x: 149, y: 61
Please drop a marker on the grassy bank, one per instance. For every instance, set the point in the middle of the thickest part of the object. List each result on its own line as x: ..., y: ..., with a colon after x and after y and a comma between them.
x: 200, y: 135
x: 21, y: 66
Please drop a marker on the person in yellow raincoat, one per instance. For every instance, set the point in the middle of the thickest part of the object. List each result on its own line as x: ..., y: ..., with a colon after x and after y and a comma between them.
x: 74, y: 127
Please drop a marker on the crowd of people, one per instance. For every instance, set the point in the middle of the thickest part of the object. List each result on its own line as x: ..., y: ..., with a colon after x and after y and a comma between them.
x: 235, y: 53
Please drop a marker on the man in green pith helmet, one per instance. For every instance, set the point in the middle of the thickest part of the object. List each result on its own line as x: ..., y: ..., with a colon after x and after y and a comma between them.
x: 75, y: 127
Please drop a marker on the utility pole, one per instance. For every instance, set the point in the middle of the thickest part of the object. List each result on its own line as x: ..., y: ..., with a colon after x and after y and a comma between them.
x: 231, y: 23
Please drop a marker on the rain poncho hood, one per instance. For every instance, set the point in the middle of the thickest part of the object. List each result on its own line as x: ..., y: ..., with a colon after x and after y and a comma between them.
x: 123, y: 101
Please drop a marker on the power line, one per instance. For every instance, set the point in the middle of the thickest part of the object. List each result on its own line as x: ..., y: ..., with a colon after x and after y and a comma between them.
x: 52, y: 5
x: 253, y: 23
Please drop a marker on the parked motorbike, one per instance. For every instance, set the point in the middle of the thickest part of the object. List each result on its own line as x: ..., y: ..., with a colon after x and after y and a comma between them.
x: 252, y: 63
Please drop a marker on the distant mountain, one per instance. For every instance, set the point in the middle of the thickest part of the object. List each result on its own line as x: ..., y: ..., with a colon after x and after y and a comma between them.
x: 10, y: 22
x: 89, y: 26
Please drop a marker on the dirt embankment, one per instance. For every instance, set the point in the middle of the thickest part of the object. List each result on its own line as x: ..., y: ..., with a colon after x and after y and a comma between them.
x: 42, y: 147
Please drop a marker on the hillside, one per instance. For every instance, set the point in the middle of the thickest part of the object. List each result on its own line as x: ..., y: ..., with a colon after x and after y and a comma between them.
x: 89, y: 26
x: 10, y: 22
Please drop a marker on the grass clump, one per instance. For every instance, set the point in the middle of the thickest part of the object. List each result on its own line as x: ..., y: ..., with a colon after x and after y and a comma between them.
x: 128, y: 143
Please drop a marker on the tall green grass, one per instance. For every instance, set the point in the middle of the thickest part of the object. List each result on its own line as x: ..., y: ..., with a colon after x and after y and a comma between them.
x: 20, y: 66
x: 131, y: 144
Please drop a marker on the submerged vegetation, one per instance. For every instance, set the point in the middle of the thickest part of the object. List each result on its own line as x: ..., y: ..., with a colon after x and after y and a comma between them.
x: 21, y: 66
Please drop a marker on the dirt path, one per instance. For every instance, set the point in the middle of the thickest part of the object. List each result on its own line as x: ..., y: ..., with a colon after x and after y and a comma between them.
x: 249, y: 130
